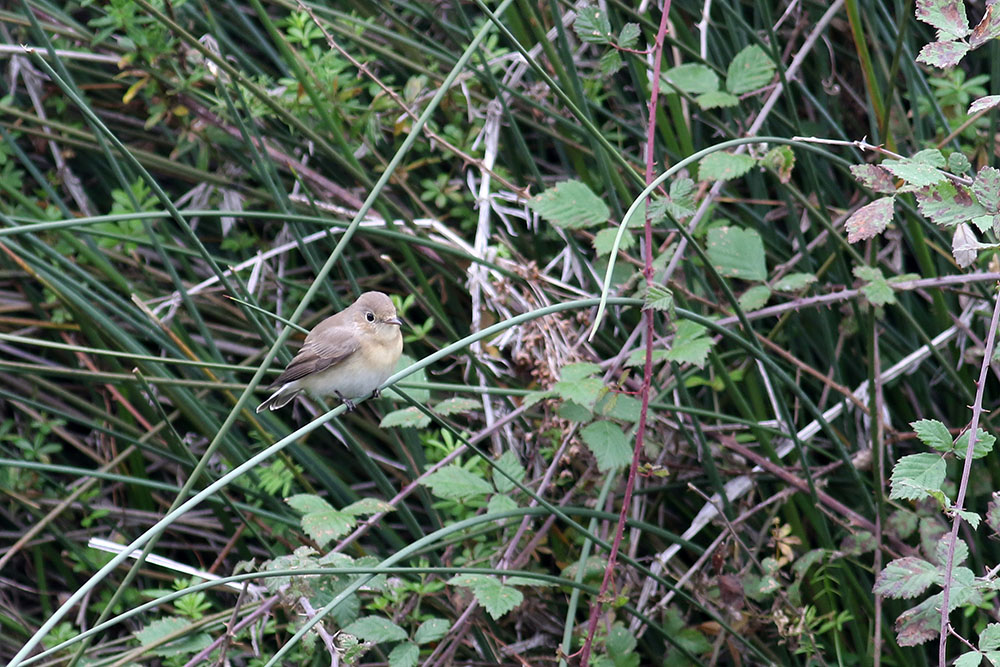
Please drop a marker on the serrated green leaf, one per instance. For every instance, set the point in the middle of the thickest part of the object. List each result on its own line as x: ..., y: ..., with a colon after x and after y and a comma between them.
x: 934, y: 434
x: 451, y: 406
x: 794, y: 282
x: 920, y: 170
x: 941, y: 551
x: 987, y: 189
x: 574, y: 412
x: 958, y: 163
x: 404, y: 654
x: 431, y: 630
x: 584, y: 391
x: 690, y: 345
x: 406, y: 417
x: 755, y: 297
x: 307, y: 502
x: 946, y: 205
x: 610, y: 62
x: 637, y: 358
x: 368, y: 506
x: 376, y: 629
x: 716, y: 99
x: 970, y: 659
x: 680, y: 203
x: 906, y: 578
x: 495, y: 597
x: 692, y: 78
x: 932, y: 156
x: 879, y: 292
x: 870, y: 220
x: 721, y: 166
x: 620, y: 641
x: 608, y: 444
x: 578, y: 371
x: 604, y: 241
x: 617, y: 405
x: 454, y: 482
x: 948, y: 16
x: 592, y: 25
x: 868, y: 273
x: 320, y: 520
x: 629, y: 35
x: 983, y: 445
x: 658, y: 297
x: 749, y: 70
x: 535, y: 397
x: 571, y: 205
x: 325, y: 527
x: 971, y: 518
x: 682, y: 192
x: 500, y: 503
x: 510, y: 464
x: 737, y: 253
x: 944, y: 55
x: 989, y: 638
x: 914, y: 476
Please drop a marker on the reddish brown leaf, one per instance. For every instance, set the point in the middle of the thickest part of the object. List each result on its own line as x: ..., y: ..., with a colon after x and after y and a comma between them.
x: 987, y: 29
x: 874, y: 177
x: 869, y: 220
x: 943, y: 54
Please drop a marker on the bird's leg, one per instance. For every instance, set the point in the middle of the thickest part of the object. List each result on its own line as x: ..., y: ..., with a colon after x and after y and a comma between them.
x: 348, y: 402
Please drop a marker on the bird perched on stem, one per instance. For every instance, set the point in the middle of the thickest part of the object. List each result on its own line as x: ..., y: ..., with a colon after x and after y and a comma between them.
x: 347, y: 355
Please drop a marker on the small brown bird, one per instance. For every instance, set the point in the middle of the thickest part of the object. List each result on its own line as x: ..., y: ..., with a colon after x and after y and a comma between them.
x: 348, y: 354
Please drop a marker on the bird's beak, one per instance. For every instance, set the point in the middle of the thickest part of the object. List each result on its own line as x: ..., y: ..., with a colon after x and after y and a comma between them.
x: 395, y: 320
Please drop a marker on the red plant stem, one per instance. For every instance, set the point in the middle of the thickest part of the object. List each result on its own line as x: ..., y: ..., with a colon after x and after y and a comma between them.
x: 647, y: 374
x: 977, y: 411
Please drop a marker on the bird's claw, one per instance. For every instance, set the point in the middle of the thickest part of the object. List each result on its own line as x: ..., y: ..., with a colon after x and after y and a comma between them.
x: 348, y: 403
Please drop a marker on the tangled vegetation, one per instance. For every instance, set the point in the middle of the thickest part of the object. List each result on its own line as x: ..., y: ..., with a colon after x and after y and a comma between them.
x: 699, y: 360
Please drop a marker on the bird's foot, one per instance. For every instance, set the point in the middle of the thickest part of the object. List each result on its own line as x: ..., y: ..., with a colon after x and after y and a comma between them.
x: 376, y: 392
x: 348, y: 403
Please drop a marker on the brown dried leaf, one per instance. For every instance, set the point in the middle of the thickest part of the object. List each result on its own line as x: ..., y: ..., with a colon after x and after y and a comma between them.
x: 987, y: 29
x: 869, y: 220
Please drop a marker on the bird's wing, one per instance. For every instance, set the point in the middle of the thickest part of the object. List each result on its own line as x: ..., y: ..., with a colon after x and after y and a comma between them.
x: 315, y: 356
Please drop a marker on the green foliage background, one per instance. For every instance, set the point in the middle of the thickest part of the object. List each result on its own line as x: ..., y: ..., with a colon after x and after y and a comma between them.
x: 178, y: 180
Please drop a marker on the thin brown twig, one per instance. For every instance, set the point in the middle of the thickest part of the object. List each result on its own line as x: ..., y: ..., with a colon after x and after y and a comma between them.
x: 647, y: 375
x: 963, y: 487
x: 878, y: 444
x: 831, y: 503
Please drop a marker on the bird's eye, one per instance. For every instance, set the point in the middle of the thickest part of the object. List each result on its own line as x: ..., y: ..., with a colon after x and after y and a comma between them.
x: 370, y: 316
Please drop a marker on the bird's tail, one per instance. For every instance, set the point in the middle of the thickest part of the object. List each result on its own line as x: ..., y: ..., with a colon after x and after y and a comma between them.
x: 279, y: 399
